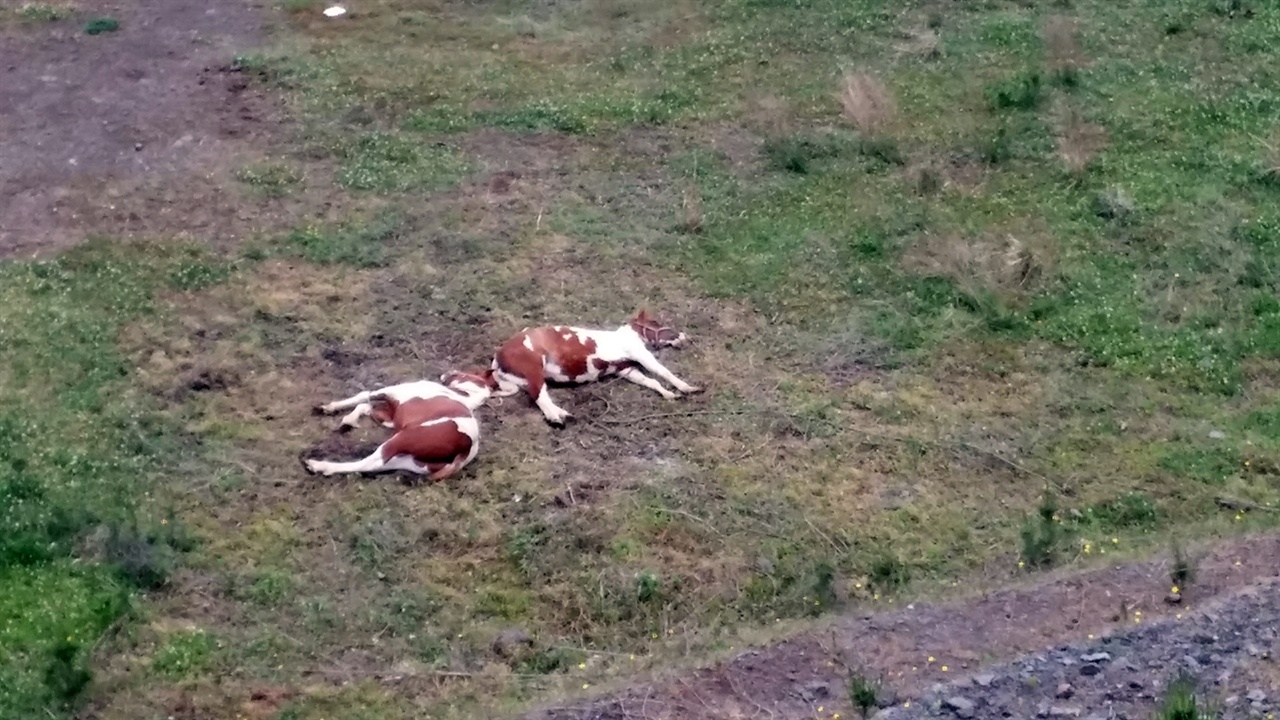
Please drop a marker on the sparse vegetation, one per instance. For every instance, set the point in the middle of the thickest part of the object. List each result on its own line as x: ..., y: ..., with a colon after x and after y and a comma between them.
x: 864, y: 693
x: 912, y: 317
x: 98, y: 26
x: 1183, y: 571
x: 43, y: 12
x: 1182, y: 701
x: 1042, y: 534
x: 272, y: 179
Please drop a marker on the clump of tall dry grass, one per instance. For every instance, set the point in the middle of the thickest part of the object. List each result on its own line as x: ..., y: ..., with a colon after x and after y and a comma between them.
x: 692, y: 205
x: 1269, y: 165
x: 1009, y: 266
x: 1079, y: 142
x: 866, y: 103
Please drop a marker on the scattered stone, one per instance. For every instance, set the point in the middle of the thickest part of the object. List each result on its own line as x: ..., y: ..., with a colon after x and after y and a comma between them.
x: 1098, y: 657
x: 1173, y: 598
x: 1232, y: 701
x: 1217, y: 434
x: 962, y: 707
x: 1063, y: 711
x: 984, y: 680
x: 1256, y: 696
x: 1090, y: 669
x: 1065, y: 691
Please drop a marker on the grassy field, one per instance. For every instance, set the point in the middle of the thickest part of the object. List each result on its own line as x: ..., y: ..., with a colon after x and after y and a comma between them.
x: 936, y: 260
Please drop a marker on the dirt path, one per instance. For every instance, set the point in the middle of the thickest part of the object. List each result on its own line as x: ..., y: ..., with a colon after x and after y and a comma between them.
x: 919, y: 647
x: 89, y: 120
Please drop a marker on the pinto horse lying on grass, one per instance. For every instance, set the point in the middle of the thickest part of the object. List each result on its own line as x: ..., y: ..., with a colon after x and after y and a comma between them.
x: 436, y: 431
x: 569, y: 354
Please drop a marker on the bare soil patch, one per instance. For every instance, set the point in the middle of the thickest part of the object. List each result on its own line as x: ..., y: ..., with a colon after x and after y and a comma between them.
x: 118, y: 133
x: 921, y: 645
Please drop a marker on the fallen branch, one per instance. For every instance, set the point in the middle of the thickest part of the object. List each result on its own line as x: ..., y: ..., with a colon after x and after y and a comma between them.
x: 658, y: 416
x: 1234, y: 504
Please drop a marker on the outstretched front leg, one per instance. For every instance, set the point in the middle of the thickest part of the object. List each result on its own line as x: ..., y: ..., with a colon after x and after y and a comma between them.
x: 360, y: 398
x: 650, y: 363
x: 634, y: 375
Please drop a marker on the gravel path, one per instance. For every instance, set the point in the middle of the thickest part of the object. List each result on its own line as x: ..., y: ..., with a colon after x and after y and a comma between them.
x: 1231, y: 648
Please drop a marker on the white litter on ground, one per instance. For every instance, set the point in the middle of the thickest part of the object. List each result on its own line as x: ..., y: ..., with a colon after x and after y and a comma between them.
x: 335, y: 11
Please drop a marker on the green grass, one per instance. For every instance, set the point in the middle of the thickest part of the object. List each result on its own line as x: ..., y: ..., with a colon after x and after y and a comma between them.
x: 84, y: 527
x: 941, y: 316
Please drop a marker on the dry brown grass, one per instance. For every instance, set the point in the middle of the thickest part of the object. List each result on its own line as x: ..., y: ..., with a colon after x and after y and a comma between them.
x: 1009, y: 266
x: 1079, y: 141
x: 866, y: 103
x: 1061, y: 35
x: 767, y: 115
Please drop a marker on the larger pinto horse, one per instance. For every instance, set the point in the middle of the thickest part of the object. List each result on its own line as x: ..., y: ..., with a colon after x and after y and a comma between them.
x: 569, y: 354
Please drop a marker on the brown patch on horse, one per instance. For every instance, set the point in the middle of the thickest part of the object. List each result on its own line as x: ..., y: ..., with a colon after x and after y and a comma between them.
x: 437, y: 444
x: 557, y: 344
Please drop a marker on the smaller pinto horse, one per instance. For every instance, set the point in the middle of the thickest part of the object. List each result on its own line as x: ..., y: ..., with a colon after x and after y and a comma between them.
x: 436, y: 431
x: 568, y: 354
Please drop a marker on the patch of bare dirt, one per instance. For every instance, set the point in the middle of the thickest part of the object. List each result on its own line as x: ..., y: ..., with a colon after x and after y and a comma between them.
x: 120, y: 132
x: 919, y: 646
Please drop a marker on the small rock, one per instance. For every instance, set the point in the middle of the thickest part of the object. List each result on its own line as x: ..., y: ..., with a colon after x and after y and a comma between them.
x: 819, y: 689
x: 962, y: 707
x: 1217, y: 434
x: 137, y: 147
x: 1173, y: 598
x: 1064, y: 711
x: 1136, y: 685
x: 984, y: 680
x: 1232, y: 701
x: 1256, y: 696
x: 1098, y: 657
x: 1065, y: 691
x: 1090, y: 669
x: 507, y: 642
